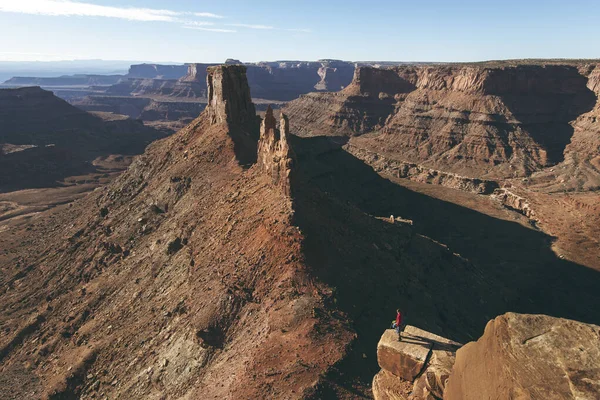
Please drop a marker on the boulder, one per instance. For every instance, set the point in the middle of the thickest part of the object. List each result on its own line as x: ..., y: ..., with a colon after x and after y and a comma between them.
x: 404, y: 359
x: 387, y: 386
x: 421, y: 362
x: 529, y: 357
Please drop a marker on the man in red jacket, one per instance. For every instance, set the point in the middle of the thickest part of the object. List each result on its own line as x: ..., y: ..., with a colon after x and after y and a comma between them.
x: 398, y: 324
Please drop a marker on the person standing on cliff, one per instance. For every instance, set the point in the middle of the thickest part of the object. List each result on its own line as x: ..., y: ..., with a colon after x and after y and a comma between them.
x: 398, y: 324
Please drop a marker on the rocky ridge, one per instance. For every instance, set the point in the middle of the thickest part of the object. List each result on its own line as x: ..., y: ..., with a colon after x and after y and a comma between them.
x: 530, y: 131
x: 418, y: 173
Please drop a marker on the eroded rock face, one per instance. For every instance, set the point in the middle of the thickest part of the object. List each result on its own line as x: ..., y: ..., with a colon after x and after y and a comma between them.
x: 382, y: 81
x: 207, y: 271
x: 58, y: 139
x: 514, y: 202
x: 487, y: 122
x: 529, y: 357
x: 275, y: 157
x: 229, y: 95
x: 335, y: 75
x: 581, y: 167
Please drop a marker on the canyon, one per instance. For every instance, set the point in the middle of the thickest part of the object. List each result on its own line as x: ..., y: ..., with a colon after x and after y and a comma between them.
x: 527, y: 135
x: 259, y: 251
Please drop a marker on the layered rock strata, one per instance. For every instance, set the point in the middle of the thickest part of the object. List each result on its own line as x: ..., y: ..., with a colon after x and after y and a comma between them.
x: 475, y: 121
x: 419, y: 173
x: 580, y: 170
x: 514, y: 202
x: 199, y: 257
x: 518, y: 356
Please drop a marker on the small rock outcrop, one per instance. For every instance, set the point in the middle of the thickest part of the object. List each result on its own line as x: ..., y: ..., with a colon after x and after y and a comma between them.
x: 514, y: 202
x: 275, y: 156
x: 229, y: 98
x: 529, y: 357
x: 416, y: 367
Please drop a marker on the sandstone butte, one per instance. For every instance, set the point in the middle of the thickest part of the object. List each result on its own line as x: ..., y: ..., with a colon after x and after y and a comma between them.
x: 519, y: 356
x: 234, y: 260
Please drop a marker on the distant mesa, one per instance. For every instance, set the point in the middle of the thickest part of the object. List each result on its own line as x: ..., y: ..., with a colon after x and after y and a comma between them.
x: 232, y: 61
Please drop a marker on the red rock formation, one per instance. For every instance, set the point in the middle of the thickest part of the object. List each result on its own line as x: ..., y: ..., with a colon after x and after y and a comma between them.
x: 518, y: 356
x: 361, y: 107
x: 418, y: 173
x: 275, y: 157
x: 201, y: 260
x: 474, y: 121
x: 528, y: 357
x: 581, y: 167
x: 229, y: 96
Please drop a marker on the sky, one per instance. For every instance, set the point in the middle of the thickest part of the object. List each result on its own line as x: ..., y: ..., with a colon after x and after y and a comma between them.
x: 265, y: 30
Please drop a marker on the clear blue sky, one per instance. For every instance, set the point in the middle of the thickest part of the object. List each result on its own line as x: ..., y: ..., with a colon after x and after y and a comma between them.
x: 211, y: 31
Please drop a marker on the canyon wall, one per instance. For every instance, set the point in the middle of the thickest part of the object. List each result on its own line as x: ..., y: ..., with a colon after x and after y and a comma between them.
x: 33, y: 116
x: 476, y: 121
x: 580, y: 170
x: 51, y: 139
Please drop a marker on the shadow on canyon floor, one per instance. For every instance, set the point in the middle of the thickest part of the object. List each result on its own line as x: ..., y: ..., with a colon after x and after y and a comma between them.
x: 490, y: 267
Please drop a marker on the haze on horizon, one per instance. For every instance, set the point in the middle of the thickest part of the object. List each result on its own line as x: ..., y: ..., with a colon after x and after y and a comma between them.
x: 202, y: 31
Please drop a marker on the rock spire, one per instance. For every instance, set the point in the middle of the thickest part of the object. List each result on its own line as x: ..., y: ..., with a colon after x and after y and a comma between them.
x: 275, y: 156
x: 229, y: 95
